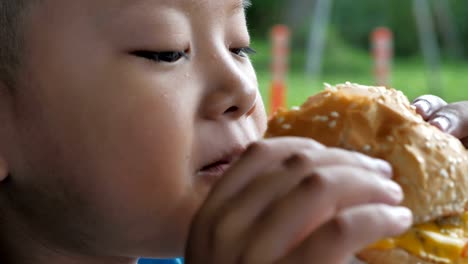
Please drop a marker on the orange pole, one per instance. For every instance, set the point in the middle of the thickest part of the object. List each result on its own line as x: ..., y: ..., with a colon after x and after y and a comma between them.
x: 280, y: 48
x: 382, y: 50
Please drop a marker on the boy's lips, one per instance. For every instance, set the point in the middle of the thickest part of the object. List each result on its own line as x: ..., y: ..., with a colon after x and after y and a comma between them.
x: 215, y: 168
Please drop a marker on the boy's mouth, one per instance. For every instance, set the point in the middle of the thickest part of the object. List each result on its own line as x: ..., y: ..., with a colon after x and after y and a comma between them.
x: 217, y: 166
x: 213, y: 171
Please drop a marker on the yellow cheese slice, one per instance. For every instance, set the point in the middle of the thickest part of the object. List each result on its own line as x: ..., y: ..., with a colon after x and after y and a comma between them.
x: 443, y: 241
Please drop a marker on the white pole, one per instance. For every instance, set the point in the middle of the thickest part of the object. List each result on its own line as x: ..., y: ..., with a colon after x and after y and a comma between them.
x: 429, y: 45
x: 317, y: 37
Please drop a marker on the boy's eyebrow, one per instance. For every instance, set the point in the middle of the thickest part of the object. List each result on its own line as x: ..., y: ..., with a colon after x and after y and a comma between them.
x: 246, y: 4
x: 241, y: 4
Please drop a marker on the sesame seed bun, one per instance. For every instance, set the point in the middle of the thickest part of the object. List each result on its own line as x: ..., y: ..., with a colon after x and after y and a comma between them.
x: 430, y: 165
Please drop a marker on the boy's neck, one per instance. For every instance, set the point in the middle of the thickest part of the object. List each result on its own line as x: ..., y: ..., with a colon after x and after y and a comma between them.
x: 18, y: 246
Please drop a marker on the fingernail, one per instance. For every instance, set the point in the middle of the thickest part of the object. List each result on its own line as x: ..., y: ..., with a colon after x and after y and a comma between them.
x: 441, y: 122
x: 377, y: 164
x: 384, y: 167
x: 395, y: 191
x: 423, y: 105
x: 403, y: 216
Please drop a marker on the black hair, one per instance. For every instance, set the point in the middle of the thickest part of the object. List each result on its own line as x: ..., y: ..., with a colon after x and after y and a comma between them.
x: 11, y: 38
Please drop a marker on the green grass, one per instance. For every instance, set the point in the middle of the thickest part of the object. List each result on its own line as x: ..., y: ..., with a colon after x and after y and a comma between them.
x: 343, y: 64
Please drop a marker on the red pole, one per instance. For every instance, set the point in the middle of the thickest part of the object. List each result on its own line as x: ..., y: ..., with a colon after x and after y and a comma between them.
x: 280, y: 42
x: 382, y: 49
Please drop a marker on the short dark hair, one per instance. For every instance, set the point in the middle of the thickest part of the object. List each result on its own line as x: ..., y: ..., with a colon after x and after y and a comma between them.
x: 11, y: 38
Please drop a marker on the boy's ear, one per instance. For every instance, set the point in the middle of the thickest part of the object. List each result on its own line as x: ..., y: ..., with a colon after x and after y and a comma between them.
x: 3, y: 170
x: 5, y: 119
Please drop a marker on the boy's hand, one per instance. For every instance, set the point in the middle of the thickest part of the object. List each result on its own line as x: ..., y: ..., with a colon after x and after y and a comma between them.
x: 291, y: 200
x: 450, y: 118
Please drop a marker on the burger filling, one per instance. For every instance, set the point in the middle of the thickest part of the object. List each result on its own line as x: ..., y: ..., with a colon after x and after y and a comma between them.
x: 443, y: 240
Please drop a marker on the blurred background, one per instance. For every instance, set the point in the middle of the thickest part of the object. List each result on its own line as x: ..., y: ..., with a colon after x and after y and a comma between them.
x: 331, y: 42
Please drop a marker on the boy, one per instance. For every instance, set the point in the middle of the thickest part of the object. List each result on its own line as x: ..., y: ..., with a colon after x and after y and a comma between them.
x: 133, y: 128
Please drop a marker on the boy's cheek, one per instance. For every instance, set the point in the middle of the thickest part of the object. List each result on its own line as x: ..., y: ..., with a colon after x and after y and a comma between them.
x: 259, y: 117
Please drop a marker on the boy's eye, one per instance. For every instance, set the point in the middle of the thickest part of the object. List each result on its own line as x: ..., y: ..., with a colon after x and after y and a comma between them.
x: 164, y: 56
x: 243, y: 52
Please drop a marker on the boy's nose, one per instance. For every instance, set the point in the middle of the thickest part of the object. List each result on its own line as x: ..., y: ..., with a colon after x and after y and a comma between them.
x: 232, y: 90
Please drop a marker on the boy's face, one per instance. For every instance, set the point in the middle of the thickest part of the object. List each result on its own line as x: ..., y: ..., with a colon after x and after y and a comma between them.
x: 114, y: 142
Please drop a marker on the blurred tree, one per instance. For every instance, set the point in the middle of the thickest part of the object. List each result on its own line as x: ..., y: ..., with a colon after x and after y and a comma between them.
x: 448, y: 29
x: 354, y: 20
x: 460, y: 9
x: 263, y: 14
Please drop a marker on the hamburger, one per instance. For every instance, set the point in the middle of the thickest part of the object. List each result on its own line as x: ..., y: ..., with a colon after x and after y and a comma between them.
x: 430, y: 165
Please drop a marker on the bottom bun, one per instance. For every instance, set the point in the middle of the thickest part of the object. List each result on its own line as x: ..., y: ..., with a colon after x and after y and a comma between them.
x: 391, y: 256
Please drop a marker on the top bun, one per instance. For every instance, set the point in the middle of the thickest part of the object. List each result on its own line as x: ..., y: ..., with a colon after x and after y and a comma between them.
x: 430, y: 165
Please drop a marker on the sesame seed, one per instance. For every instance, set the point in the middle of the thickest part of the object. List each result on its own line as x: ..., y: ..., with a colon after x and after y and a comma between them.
x: 420, y: 159
x: 404, y: 181
x: 331, y: 89
x: 335, y: 114
x: 332, y: 124
x: 426, y: 218
x: 452, y: 169
x: 373, y: 89
x: 280, y: 120
x: 295, y: 108
x: 323, y: 118
x: 352, y: 105
x: 327, y: 85
x: 367, y: 148
x: 444, y: 173
x: 390, y: 138
x: 286, y: 126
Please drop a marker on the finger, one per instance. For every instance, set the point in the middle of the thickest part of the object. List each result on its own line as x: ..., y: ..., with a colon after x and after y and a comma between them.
x: 258, y: 159
x: 351, y: 231
x: 313, y: 202
x: 244, y: 208
x: 452, y: 119
x: 304, y: 149
x: 343, y: 157
x: 228, y: 235
x: 427, y: 105
x: 356, y: 261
